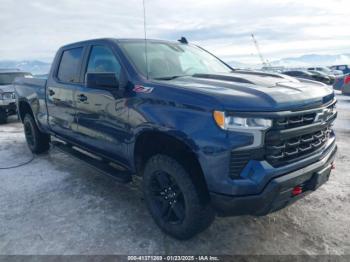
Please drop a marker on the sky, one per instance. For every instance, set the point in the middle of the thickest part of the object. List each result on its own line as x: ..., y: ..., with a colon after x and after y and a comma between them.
x: 35, y: 29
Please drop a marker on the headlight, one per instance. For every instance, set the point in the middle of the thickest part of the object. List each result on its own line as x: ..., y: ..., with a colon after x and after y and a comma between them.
x: 8, y: 96
x: 235, y: 123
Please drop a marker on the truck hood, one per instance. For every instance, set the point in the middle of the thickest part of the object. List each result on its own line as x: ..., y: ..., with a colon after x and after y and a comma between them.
x: 257, y: 91
x: 6, y: 88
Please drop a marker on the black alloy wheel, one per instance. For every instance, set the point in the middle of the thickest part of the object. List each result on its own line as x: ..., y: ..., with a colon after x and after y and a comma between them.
x: 168, y: 200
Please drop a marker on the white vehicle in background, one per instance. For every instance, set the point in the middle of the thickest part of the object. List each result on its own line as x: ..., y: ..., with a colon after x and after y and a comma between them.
x: 7, y: 92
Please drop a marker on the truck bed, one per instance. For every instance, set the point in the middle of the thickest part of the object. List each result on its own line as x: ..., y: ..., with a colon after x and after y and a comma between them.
x: 32, y: 90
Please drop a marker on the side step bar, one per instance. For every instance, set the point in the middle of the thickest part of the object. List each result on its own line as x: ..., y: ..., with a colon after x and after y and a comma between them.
x: 100, y: 165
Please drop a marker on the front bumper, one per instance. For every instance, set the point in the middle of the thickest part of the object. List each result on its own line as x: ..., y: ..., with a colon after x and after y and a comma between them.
x: 9, y: 106
x: 277, y: 193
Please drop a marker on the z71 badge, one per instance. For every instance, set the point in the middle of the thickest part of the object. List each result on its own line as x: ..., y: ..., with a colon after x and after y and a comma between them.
x: 142, y: 89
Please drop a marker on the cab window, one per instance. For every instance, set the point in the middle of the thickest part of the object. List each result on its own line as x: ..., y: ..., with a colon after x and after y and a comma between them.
x: 69, y: 67
x: 102, y: 60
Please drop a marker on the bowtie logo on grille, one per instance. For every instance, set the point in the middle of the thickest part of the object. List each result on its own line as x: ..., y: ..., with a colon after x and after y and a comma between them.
x: 324, y: 115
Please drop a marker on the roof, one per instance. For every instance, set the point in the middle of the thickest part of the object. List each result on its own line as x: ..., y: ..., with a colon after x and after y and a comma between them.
x: 116, y: 40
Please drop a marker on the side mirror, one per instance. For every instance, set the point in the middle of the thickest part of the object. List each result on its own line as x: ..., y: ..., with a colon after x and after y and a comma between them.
x: 101, y: 80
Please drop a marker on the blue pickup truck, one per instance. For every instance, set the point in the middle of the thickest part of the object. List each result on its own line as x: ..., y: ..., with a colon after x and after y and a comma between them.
x: 206, y: 139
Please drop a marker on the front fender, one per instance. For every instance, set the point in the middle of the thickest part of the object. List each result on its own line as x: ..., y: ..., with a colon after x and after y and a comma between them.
x: 193, y: 126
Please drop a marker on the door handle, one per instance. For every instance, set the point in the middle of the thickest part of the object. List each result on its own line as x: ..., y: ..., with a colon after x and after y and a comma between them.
x: 51, y: 92
x: 82, y: 97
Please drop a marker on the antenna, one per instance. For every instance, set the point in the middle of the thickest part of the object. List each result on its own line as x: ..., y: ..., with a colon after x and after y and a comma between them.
x: 145, y: 34
x: 183, y: 40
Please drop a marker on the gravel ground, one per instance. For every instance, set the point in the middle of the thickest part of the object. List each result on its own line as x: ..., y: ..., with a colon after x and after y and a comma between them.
x: 57, y: 205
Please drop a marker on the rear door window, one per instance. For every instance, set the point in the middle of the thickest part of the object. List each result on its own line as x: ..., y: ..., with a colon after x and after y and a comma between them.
x: 69, y: 67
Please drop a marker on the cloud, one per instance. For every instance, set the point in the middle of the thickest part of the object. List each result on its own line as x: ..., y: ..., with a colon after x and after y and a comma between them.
x: 35, y: 29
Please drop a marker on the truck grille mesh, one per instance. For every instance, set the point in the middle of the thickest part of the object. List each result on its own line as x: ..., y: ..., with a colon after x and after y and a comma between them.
x: 291, y: 138
x: 281, y: 151
x: 294, y: 121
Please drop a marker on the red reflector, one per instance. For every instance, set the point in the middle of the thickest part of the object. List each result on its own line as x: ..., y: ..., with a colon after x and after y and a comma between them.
x: 297, y: 190
x: 347, y: 80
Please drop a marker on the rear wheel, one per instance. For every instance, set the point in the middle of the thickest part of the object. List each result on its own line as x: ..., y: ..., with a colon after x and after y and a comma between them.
x: 3, y: 117
x: 173, y: 199
x: 38, y: 142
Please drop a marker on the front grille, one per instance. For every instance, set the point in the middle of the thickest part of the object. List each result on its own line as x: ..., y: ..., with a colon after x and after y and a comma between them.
x: 294, y: 121
x: 282, y: 152
x: 297, y: 136
x: 293, y: 137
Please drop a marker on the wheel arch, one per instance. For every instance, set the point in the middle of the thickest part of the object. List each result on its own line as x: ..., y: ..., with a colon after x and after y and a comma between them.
x: 24, y: 108
x: 150, y: 142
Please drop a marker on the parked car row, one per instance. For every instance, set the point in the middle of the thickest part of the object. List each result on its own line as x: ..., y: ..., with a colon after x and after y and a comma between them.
x: 311, y: 75
x: 338, y: 76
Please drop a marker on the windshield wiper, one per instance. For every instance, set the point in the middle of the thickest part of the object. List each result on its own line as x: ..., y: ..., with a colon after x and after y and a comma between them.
x: 169, y: 77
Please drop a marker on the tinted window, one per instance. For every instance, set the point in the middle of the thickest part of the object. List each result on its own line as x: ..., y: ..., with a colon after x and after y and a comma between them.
x: 69, y: 67
x: 102, y: 60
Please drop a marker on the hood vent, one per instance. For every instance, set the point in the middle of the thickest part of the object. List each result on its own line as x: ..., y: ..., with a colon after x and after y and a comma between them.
x: 257, y: 73
x: 223, y: 78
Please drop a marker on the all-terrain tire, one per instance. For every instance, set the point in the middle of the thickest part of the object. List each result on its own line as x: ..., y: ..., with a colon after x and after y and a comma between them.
x: 196, y: 215
x: 38, y: 142
x: 3, y: 117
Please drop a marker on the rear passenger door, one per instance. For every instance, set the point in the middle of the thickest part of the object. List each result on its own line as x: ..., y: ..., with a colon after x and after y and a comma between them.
x: 61, y: 91
x: 101, y: 113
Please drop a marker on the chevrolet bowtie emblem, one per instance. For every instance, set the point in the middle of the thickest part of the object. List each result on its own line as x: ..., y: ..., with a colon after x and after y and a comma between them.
x: 324, y: 115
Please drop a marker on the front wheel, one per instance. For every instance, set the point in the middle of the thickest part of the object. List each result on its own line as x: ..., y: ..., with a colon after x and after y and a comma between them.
x: 173, y: 199
x: 38, y: 142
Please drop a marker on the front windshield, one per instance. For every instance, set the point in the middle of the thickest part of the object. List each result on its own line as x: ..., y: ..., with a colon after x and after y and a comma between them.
x: 8, y: 78
x: 168, y: 60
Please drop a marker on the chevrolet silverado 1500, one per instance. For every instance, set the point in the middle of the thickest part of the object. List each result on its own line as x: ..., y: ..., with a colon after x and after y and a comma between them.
x: 206, y: 139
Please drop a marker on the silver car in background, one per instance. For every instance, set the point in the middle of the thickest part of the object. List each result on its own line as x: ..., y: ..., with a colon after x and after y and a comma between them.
x: 7, y: 92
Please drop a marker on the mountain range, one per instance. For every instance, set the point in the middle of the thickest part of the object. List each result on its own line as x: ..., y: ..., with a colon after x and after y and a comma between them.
x: 40, y: 67
x: 33, y: 66
x: 301, y: 61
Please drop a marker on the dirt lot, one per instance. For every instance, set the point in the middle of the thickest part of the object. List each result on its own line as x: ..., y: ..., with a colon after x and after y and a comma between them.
x: 57, y: 205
